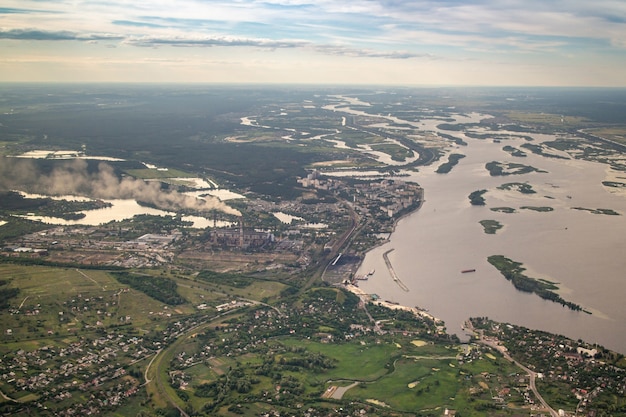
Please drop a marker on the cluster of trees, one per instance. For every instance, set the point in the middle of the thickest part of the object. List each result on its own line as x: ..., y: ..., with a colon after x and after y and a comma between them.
x: 311, y: 361
x: 497, y: 168
x: 522, y: 187
x: 446, y: 167
x: 159, y: 288
x: 513, y: 271
x: 225, y: 278
x: 476, y: 198
x: 538, y: 149
x: 11, y: 201
x: 6, y: 293
x: 24, y: 260
x: 237, y: 382
x: 514, y: 151
x: 234, y: 380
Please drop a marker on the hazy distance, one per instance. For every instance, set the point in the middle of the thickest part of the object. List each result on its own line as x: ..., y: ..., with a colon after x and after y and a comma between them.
x: 529, y: 43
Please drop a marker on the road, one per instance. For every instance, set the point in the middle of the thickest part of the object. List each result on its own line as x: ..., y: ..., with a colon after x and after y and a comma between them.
x: 532, y: 375
x: 157, y: 360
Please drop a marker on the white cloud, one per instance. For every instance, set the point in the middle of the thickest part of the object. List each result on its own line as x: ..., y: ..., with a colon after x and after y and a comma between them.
x: 416, y: 32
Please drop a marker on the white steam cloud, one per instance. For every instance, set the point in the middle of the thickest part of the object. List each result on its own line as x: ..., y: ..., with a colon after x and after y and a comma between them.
x: 73, y: 178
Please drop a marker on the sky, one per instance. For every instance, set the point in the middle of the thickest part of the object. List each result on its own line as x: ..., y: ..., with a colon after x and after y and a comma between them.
x: 380, y: 42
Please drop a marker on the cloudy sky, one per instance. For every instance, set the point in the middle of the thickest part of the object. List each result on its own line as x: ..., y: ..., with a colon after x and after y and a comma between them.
x: 419, y: 42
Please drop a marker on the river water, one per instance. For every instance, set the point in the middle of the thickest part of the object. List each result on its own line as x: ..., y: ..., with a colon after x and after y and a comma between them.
x: 581, y: 251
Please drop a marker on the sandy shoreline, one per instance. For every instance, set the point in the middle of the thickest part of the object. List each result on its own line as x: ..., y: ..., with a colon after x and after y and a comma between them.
x: 365, y: 297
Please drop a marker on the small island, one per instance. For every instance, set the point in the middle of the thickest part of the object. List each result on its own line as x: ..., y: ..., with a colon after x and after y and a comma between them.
x: 541, y: 209
x: 507, y: 210
x: 514, y: 151
x: 476, y: 198
x: 446, y: 167
x: 608, y: 212
x: 513, y: 271
x: 491, y: 226
x: 502, y: 169
x: 522, y: 187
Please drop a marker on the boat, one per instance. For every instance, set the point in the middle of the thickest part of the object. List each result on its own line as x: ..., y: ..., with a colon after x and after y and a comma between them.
x: 465, y: 271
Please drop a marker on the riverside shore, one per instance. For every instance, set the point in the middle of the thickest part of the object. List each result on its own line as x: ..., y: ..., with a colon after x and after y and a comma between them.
x: 365, y: 297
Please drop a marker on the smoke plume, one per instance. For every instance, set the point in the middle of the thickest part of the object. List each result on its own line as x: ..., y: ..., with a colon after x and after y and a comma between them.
x: 73, y: 178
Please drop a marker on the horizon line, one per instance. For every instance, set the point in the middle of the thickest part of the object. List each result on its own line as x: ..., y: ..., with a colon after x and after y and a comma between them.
x: 304, y: 84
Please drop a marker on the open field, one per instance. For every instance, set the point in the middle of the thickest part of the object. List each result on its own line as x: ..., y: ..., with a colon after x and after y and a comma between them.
x: 149, y: 174
x: 354, y: 361
x: 614, y: 133
x: 547, y: 119
x: 63, y: 301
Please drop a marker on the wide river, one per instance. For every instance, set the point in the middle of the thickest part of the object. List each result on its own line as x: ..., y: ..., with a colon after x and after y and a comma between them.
x: 581, y: 251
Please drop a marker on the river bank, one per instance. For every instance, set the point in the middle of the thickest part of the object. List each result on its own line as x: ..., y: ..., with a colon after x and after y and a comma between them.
x: 572, y: 243
x: 366, y: 298
x: 576, y: 249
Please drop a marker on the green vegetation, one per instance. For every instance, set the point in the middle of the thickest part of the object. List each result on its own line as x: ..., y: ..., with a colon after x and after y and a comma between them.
x: 6, y: 294
x: 200, y: 325
x: 539, y: 150
x: 43, y: 261
x: 17, y: 226
x: 513, y: 271
x: 503, y: 169
x: 225, y: 278
x: 523, y: 188
x: 161, y: 289
x: 514, y: 151
x: 352, y: 361
x: 614, y: 184
x: 452, y: 127
x: 446, y: 167
x: 541, y: 350
x: 397, y: 153
x: 508, y: 210
x: 543, y: 209
x: 608, y: 212
x: 476, y: 198
x: 590, y: 148
x: 457, y: 127
x: 614, y: 133
x: 454, y: 139
x: 491, y: 226
x: 549, y: 120
x: 13, y: 202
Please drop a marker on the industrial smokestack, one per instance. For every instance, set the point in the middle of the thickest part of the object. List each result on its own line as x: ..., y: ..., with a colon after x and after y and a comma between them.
x: 241, y: 233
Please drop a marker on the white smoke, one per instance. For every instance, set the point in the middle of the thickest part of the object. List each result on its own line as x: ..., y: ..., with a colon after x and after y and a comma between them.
x: 73, y: 178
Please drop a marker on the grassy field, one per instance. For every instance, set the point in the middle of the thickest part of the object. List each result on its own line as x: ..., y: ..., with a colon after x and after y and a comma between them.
x: 547, y: 119
x: 369, y: 361
x: 396, y: 152
x: 615, y: 133
x: 403, y: 373
x: 55, y: 302
x: 414, y: 384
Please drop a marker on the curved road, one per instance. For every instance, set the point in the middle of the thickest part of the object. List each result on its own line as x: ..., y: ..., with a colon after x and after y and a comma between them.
x: 161, y: 353
x: 532, y: 375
